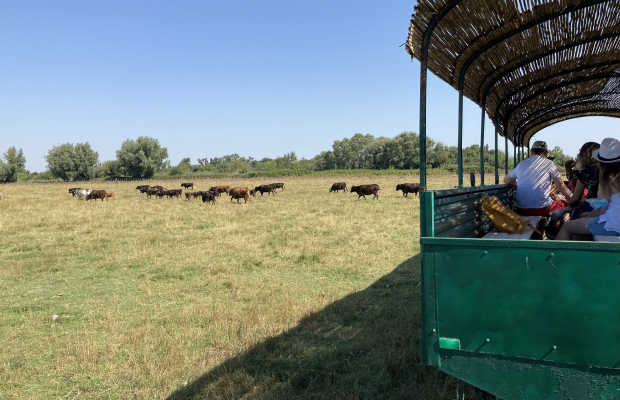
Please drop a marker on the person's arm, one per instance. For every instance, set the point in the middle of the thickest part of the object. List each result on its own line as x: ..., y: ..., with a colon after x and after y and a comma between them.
x: 510, y: 180
x: 575, y: 200
x: 561, y: 187
x: 601, y: 195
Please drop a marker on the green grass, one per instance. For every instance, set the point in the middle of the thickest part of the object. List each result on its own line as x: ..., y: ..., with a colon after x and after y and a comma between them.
x: 306, y: 294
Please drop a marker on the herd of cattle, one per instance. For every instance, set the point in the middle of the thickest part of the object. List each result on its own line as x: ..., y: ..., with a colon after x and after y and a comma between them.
x: 364, y: 190
x: 238, y: 193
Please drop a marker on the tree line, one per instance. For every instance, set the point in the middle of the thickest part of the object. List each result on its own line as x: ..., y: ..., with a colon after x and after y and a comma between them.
x: 146, y: 158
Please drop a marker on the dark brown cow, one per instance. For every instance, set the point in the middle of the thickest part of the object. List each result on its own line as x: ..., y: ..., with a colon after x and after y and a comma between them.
x: 188, y: 185
x: 208, y: 197
x: 265, y: 188
x: 188, y: 196
x: 152, y: 191
x: 142, y: 188
x: 408, y: 188
x: 364, y: 190
x: 97, y: 194
x: 277, y: 186
x: 253, y: 193
x: 220, y: 189
x: 240, y: 193
x: 339, y: 186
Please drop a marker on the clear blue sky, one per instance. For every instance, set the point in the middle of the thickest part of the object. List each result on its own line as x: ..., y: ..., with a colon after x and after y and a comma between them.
x: 209, y: 78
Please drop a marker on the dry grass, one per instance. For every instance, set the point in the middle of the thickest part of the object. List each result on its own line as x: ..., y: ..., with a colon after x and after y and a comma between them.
x: 305, y: 294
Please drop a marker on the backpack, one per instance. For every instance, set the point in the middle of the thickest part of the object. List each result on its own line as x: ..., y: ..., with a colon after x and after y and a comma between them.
x: 502, y: 217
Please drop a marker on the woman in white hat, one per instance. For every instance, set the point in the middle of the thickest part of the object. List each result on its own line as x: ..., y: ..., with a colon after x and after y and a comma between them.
x: 605, y: 219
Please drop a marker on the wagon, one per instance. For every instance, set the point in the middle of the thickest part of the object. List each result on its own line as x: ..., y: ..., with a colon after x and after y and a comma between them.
x: 519, y: 318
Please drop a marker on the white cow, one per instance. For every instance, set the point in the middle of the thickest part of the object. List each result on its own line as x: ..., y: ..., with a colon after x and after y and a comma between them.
x: 82, y: 193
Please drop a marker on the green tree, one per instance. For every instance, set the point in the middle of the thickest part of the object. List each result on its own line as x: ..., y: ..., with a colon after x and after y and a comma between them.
x: 142, y: 158
x: 560, y: 158
x: 70, y: 163
x: 14, y: 164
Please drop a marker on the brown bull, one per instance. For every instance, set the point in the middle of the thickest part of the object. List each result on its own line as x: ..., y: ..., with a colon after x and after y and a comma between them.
x: 97, y: 194
x: 240, y: 193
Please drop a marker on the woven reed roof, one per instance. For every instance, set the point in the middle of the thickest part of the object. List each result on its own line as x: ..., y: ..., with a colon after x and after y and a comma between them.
x: 540, y: 62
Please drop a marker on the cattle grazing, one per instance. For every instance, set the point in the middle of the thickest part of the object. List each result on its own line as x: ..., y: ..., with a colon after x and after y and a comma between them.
x: 110, y: 195
x: 142, y: 188
x: 265, y: 188
x: 208, y: 197
x: 153, y: 191
x: 188, y: 185
x: 408, y: 188
x: 82, y: 193
x: 277, y: 186
x: 96, y: 194
x: 253, y: 193
x: 73, y: 190
x: 364, y: 190
x: 339, y: 186
x: 220, y: 189
x: 240, y: 193
x: 188, y: 196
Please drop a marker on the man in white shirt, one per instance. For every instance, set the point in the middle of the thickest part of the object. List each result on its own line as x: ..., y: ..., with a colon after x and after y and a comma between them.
x: 533, y: 177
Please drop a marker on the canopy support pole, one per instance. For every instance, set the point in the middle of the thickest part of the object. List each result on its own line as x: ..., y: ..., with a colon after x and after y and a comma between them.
x: 506, y: 154
x: 496, y: 156
x: 482, y: 145
x: 459, y: 154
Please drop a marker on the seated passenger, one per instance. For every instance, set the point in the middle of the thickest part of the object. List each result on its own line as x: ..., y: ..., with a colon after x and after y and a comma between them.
x: 531, y: 177
x: 605, y: 218
x: 586, y: 173
x: 569, y: 167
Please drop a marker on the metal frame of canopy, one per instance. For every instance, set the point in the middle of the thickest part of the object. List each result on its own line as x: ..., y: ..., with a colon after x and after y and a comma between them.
x: 475, y: 291
x: 551, y: 12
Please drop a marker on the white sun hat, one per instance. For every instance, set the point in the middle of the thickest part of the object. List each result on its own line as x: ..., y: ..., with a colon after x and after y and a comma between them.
x: 609, y: 152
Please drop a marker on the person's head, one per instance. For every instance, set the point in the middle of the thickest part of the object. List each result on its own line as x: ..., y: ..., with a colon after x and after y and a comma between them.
x: 608, y: 157
x: 539, y: 148
x: 569, y: 166
x: 584, y: 158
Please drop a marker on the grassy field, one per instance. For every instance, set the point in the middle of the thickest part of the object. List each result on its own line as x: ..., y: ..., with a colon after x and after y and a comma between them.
x: 306, y: 294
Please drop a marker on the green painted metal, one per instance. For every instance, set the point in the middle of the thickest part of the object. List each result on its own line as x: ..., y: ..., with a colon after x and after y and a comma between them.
x: 445, y: 9
x: 496, y: 155
x: 482, y: 146
x: 447, y: 343
x: 506, y: 153
x: 533, y: 318
x: 459, y: 154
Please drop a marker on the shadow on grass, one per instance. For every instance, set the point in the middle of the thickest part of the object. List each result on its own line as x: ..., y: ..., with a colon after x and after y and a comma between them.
x: 365, y: 345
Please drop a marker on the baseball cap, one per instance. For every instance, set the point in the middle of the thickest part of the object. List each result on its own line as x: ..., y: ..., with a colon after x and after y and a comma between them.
x: 539, y: 144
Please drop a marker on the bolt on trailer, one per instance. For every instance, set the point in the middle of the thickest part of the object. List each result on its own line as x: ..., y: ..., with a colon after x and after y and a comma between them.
x: 519, y: 318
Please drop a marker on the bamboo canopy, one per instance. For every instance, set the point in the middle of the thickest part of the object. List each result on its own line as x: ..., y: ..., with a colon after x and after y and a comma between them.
x: 529, y: 63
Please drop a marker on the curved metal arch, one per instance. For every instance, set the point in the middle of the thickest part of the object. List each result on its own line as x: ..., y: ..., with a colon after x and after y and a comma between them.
x: 554, y: 87
x: 522, y: 28
x: 548, y: 109
x: 523, y: 63
x: 569, y: 116
x: 550, y: 77
x: 554, y: 108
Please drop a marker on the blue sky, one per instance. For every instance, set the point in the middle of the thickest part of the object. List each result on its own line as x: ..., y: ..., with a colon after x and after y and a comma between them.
x: 211, y: 78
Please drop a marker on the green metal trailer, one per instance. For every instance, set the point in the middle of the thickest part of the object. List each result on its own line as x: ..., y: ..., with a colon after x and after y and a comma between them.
x: 521, y: 319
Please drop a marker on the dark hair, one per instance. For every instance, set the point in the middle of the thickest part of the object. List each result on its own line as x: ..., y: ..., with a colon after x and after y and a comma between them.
x: 609, y: 176
x: 585, y: 155
x: 539, y: 152
x: 570, y: 173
